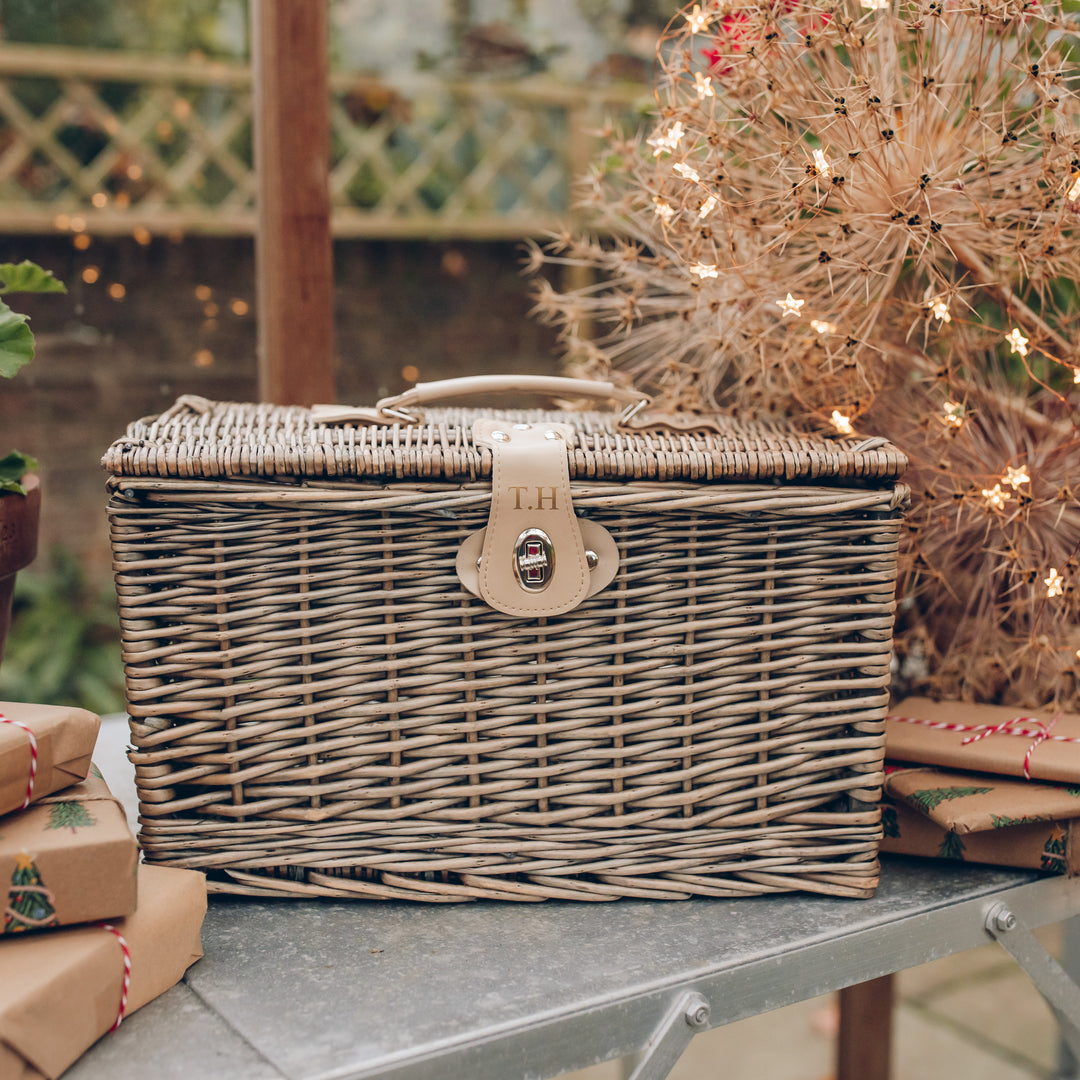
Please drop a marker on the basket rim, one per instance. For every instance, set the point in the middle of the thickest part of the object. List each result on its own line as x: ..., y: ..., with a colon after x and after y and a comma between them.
x: 204, y: 439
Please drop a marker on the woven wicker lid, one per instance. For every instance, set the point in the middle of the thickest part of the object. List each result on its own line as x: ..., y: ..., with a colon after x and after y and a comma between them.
x: 203, y: 439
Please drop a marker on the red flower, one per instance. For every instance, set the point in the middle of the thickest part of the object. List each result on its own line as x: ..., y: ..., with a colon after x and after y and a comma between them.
x: 731, y: 37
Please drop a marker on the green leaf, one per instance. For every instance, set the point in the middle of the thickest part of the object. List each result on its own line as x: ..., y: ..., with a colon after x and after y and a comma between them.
x: 27, y: 276
x: 13, y: 468
x: 16, y: 341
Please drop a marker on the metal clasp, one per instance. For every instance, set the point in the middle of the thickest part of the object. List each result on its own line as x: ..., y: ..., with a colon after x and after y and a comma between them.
x: 534, y: 559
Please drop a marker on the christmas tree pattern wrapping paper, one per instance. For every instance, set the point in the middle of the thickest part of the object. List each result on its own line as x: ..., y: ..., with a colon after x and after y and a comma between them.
x: 67, y: 859
x: 1039, y: 845
x: 43, y: 748
x: 977, y: 802
x: 985, y: 738
x: 61, y: 991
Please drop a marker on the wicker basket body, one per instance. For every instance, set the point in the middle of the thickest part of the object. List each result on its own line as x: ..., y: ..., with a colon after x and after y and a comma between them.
x: 318, y: 707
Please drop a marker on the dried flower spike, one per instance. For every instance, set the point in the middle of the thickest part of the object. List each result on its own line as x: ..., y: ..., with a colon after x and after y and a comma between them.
x: 952, y: 174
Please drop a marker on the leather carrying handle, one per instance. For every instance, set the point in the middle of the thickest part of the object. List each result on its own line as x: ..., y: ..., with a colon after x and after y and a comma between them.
x: 399, y: 405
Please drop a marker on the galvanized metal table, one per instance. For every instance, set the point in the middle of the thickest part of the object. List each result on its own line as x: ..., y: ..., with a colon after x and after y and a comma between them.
x: 490, y: 991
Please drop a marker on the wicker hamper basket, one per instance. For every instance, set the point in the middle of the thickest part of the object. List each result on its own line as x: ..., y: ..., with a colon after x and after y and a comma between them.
x: 653, y: 663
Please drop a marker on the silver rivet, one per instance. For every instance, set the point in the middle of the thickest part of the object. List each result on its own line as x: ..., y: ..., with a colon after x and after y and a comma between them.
x: 522, y: 427
x: 552, y: 435
x: 500, y: 436
x: 591, y: 559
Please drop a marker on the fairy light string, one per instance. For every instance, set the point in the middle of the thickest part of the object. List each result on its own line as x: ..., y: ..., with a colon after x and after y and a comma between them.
x: 783, y: 204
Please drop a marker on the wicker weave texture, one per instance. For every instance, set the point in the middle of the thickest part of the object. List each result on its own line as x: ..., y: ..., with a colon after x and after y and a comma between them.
x: 217, y: 440
x: 319, y: 708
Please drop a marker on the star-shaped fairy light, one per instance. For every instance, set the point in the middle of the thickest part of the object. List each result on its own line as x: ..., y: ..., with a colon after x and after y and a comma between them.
x: 1017, y: 342
x: 939, y: 308
x: 697, y: 20
x: 686, y: 172
x: 1016, y: 477
x: 954, y: 414
x: 666, y: 140
x: 950, y: 133
x: 841, y: 422
x: 1055, y: 583
x: 664, y: 210
x: 704, y: 270
x: 790, y: 306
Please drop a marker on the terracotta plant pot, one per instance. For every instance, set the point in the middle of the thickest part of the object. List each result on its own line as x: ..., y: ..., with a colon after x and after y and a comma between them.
x: 18, y: 543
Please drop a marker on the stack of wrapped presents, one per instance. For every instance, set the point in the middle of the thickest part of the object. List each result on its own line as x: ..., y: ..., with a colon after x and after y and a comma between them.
x: 983, y: 783
x: 88, y: 934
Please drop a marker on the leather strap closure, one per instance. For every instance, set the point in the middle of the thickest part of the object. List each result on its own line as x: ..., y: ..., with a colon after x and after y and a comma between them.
x: 601, y: 554
x: 533, y: 558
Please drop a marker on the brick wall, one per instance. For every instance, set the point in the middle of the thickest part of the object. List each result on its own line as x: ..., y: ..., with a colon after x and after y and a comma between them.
x: 185, y: 323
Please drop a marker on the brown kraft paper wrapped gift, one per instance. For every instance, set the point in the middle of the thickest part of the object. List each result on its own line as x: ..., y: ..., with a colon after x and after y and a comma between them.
x: 61, y: 990
x: 43, y: 748
x: 1040, y: 845
x: 977, y: 802
x: 67, y: 859
x: 985, y: 738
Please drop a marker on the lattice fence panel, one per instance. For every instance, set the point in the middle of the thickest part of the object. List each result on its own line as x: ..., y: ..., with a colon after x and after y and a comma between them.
x: 114, y: 142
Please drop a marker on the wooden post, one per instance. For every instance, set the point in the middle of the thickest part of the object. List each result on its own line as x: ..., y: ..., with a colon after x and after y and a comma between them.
x: 864, y: 1042
x: 293, y: 252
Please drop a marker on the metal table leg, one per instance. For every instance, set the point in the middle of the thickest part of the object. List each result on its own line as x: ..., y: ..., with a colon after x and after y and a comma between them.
x: 1050, y: 979
x: 1068, y: 1066
x: 688, y: 1016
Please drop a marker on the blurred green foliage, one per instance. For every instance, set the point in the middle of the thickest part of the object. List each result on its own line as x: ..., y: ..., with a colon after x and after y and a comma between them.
x: 64, y: 643
x: 163, y: 26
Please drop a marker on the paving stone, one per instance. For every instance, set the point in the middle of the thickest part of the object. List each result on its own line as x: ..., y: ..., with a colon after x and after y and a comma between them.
x: 925, y: 1050
x: 1006, y: 1011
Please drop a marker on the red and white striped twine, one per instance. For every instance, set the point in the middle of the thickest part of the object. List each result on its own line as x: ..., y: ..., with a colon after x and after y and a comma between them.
x: 127, y: 972
x: 33, y: 758
x: 1041, y: 731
